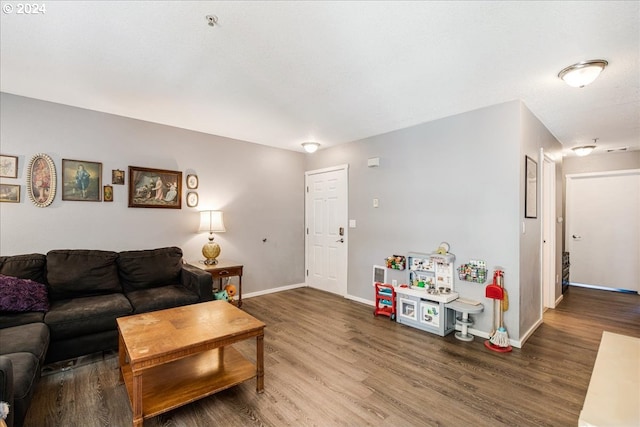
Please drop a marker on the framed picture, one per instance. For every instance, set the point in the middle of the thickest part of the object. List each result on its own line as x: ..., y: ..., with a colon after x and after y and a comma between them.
x: 154, y: 188
x: 117, y: 177
x: 41, y: 180
x: 192, y: 199
x: 192, y: 182
x: 9, y: 193
x: 8, y: 166
x: 531, y: 188
x: 81, y: 180
x: 107, y: 195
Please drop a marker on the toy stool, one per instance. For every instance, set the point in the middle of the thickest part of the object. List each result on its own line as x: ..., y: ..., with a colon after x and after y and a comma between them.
x: 464, y: 321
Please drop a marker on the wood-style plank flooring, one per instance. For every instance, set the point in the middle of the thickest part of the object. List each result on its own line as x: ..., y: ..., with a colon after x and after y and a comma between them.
x: 330, y: 362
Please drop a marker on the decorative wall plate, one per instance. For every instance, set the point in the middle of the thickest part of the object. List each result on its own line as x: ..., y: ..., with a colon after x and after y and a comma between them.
x: 192, y: 182
x: 41, y: 180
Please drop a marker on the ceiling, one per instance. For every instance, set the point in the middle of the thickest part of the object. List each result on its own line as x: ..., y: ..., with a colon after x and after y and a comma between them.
x: 281, y: 73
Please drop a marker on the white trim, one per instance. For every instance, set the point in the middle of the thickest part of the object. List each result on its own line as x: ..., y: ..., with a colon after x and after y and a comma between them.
x: 360, y: 300
x: 604, y: 173
x: 548, y: 215
x: 527, y: 334
x: 559, y: 300
x: 274, y: 290
x: 329, y: 169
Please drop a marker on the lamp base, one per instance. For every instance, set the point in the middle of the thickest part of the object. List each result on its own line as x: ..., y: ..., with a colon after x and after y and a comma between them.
x: 211, y: 250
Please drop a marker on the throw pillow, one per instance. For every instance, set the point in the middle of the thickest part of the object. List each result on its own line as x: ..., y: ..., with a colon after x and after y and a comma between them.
x: 20, y: 295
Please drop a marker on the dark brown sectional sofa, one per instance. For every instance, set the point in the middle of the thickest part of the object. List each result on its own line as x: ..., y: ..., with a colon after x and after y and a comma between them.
x: 86, y: 291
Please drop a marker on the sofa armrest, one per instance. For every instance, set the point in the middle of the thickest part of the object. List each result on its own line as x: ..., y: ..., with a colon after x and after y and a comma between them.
x: 198, y: 281
x: 6, y: 386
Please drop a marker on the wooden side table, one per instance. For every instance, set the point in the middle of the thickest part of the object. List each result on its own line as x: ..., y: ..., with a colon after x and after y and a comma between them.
x: 224, y: 268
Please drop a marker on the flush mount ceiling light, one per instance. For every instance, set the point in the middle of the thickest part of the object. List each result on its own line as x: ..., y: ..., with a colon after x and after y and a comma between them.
x: 582, y: 73
x: 585, y: 150
x: 310, y: 147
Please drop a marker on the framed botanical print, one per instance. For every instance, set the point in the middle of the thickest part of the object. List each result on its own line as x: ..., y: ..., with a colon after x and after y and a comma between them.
x: 81, y: 180
x: 8, y: 166
x: 154, y: 188
x: 41, y: 180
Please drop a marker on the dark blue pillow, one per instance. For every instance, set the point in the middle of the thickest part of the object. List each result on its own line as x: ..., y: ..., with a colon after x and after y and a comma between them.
x: 20, y: 295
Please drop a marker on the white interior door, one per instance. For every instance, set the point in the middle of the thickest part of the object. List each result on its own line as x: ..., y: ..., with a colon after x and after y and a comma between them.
x: 603, y: 230
x: 326, y: 231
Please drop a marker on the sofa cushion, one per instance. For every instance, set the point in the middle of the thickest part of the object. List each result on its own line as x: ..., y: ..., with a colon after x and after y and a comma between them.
x: 149, y: 268
x: 162, y: 297
x: 26, y: 372
x: 8, y: 320
x: 31, y: 338
x: 78, y: 272
x: 81, y: 316
x: 20, y: 295
x: 29, y: 266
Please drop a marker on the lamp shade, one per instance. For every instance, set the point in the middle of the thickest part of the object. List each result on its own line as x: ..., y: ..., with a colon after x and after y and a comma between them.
x: 211, y: 221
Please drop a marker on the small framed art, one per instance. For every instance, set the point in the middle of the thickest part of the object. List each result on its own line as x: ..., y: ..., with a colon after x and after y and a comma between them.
x: 192, y: 182
x: 107, y: 193
x: 81, y: 180
x: 9, y: 193
x: 530, y: 188
x: 8, y: 166
x: 192, y: 199
x: 117, y: 177
x: 154, y: 188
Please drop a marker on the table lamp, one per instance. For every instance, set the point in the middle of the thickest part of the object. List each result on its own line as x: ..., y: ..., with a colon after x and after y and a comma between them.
x: 211, y: 221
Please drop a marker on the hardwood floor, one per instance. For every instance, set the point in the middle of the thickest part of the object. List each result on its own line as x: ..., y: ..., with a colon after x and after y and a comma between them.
x: 330, y: 362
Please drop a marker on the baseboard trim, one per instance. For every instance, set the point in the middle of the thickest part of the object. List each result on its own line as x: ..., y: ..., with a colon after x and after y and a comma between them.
x: 274, y: 290
x: 360, y: 300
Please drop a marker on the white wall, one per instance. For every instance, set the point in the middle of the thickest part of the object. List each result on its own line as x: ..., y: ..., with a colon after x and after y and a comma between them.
x: 260, y: 190
x: 454, y: 180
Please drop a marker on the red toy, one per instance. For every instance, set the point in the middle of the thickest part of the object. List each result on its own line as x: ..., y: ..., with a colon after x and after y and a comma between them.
x: 385, y: 300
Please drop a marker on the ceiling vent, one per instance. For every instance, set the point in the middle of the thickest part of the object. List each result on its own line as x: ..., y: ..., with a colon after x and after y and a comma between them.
x: 615, y: 150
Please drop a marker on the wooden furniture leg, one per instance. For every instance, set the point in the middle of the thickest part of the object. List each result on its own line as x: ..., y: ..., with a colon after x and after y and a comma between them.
x: 137, y: 399
x: 121, y: 354
x: 260, y: 363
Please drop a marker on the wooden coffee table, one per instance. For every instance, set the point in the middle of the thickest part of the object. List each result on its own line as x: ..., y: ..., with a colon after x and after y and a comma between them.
x: 172, y: 357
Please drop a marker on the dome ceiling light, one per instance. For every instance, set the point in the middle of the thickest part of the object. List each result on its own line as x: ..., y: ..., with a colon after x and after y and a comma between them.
x: 582, y: 73
x: 585, y: 150
x: 310, y: 147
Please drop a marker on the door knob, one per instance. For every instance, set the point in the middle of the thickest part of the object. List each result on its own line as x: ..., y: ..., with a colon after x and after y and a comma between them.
x: 340, y: 241
x: 576, y: 236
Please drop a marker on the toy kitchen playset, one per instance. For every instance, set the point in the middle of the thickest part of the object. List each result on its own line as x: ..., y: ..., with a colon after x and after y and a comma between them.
x: 422, y: 304
x: 428, y: 301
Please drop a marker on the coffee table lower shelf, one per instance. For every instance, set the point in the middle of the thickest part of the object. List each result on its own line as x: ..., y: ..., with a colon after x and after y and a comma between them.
x: 174, y: 384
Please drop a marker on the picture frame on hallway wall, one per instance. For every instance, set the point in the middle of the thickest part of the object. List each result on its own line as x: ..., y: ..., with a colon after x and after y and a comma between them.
x: 8, y: 166
x: 154, y: 188
x: 81, y: 180
x: 117, y: 177
x: 10, y: 193
x: 41, y: 180
x: 530, y: 188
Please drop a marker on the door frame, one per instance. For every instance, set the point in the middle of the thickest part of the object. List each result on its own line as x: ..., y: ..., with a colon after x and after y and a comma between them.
x: 548, y: 264
x: 345, y: 168
x: 569, y: 180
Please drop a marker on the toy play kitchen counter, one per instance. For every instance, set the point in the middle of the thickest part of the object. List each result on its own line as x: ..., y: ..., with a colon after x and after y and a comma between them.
x: 422, y: 304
